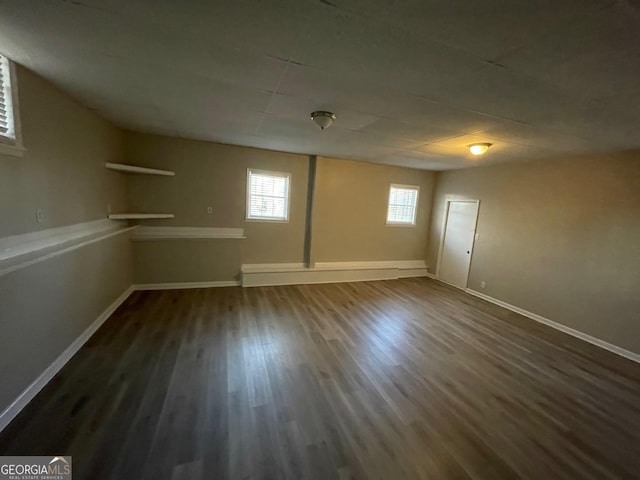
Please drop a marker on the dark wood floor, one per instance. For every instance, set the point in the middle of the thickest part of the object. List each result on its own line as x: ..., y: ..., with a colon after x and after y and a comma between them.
x: 383, y: 380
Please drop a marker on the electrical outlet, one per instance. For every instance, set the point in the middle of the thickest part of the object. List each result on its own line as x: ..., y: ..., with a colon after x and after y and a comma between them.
x: 39, y: 215
x: 483, y: 284
x: 209, y: 210
x: 476, y: 236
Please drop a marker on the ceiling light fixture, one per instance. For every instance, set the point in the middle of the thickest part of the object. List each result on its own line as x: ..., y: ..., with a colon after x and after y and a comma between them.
x: 478, y: 148
x: 323, y: 119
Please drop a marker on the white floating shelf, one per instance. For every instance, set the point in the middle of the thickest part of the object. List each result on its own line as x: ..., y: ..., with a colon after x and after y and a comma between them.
x: 138, y: 216
x: 121, y: 167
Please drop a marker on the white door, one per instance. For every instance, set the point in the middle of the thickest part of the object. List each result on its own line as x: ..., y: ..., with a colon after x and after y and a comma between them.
x: 457, y: 245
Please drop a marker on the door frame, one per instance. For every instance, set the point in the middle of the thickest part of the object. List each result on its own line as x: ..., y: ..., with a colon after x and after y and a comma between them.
x: 443, y: 231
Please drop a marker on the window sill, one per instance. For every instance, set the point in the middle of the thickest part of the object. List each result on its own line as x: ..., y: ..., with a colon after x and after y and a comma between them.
x: 266, y: 220
x: 13, y: 150
x: 400, y: 224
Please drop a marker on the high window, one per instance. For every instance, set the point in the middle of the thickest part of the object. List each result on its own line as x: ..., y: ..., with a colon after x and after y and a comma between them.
x: 9, y: 126
x: 403, y: 203
x: 268, y: 195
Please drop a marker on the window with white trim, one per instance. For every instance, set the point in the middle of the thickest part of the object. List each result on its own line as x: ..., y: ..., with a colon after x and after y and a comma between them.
x: 268, y: 195
x: 7, y: 116
x: 403, y: 204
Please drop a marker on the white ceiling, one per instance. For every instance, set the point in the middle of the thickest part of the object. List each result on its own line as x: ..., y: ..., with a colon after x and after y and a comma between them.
x: 411, y: 81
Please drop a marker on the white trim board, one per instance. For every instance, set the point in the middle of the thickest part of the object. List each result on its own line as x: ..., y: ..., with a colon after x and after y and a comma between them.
x: 558, y: 326
x: 45, y: 377
x: 149, y: 233
x: 398, y: 264
x: 185, y: 285
x: 18, y: 245
x: 255, y: 275
x: 139, y: 216
x: 272, y: 267
x: 310, y: 275
x: 295, y: 267
x: 13, y: 150
x: 47, y: 253
x: 124, y: 168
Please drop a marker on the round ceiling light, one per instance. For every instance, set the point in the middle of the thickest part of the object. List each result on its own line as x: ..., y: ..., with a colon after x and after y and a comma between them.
x: 323, y: 119
x: 478, y: 148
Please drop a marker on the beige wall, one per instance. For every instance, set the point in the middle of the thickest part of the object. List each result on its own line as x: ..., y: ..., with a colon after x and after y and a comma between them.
x: 46, y: 306
x: 558, y: 238
x: 62, y: 171
x: 350, y: 212
x: 193, y: 260
x: 211, y: 174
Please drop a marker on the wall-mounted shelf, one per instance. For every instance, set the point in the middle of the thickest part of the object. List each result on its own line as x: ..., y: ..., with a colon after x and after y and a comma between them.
x: 121, y: 167
x: 124, y: 168
x: 138, y: 216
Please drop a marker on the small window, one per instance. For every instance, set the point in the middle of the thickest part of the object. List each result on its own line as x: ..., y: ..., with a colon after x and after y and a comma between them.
x: 403, y: 202
x: 268, y: 195
x: 10, y: 138
x: 7, y: 124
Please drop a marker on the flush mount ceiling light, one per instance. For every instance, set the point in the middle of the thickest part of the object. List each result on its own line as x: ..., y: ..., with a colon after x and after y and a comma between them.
x: 323, y: 119
x: 478, y: 148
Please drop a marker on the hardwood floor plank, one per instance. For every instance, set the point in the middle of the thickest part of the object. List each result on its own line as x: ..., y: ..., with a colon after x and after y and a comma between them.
x: 394, y: 379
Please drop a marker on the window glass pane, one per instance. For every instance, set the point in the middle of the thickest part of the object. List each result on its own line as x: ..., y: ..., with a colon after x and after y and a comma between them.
x: 268, y: 196
x: 402, y: 205
x: 6, y: 111
x: 269, y: 207
x: 403, y: 196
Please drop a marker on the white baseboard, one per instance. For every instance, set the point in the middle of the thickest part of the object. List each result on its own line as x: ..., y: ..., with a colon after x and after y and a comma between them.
x: 45, y: 377
x: 412, y: 272
x: 430, y: 275
x: 558, y: 326
x: 260, y: 275
x: 370, y: 265
x: 310, y: 275
x: 272, y: 267
x: 185, y: 285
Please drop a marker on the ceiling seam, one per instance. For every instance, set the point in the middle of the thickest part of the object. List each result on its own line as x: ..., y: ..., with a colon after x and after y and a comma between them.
x: 273, y: 94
